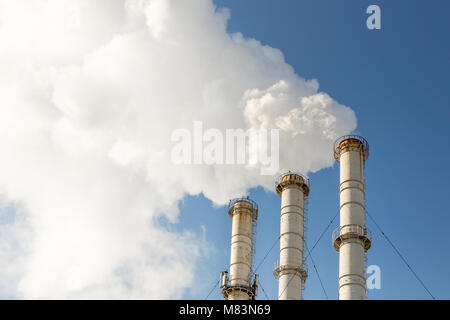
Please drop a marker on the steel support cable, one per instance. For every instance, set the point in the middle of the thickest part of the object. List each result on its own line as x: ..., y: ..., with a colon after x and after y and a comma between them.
x: 309, y: 251
x: 262, y: 288
x: 267, y: 253
x: 400, y: 255
x: 212, y: 289
x: 317, y: 271
x: 328, y: 226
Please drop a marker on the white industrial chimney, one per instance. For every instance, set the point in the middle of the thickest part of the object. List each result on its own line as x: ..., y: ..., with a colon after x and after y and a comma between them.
x: 352, y: 239
x: 291, y: 271
x: 241, y: 283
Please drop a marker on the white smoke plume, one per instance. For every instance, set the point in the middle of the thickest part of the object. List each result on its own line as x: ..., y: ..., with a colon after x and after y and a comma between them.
x: 90, y: 92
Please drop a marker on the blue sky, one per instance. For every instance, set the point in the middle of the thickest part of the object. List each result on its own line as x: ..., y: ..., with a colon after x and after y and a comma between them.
x: 396, y: 81
x: 86, y: 140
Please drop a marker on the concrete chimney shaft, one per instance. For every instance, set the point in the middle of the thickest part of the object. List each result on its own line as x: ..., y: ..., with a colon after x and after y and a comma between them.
x: 291, y: 273
x: 352, y: 239
x: 239, y: 286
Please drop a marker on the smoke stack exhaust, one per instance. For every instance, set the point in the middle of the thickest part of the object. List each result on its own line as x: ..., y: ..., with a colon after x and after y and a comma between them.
x: 352, y: 239
x: 291, y: 271
x: 241, y: 283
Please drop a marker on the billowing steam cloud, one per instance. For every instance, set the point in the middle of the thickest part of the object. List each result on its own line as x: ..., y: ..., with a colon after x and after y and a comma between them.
x: 91, y: 92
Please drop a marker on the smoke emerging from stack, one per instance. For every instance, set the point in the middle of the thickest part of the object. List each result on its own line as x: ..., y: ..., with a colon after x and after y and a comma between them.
x: 90, y: 94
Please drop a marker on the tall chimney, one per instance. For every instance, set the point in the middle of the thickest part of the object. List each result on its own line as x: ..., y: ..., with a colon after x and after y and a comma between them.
x: 352, y: 239
x: 241, y: 283
x: 291, y: 271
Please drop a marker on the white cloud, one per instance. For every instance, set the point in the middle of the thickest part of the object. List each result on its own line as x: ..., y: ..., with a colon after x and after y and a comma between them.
x: 86, y: 115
